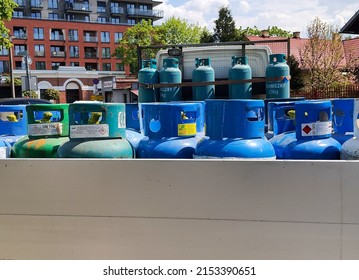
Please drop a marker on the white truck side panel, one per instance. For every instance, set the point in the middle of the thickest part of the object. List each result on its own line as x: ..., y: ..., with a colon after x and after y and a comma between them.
x: 178, y: 209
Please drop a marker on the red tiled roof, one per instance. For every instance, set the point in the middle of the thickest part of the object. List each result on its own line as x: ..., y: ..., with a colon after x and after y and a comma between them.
x: 351, y: 48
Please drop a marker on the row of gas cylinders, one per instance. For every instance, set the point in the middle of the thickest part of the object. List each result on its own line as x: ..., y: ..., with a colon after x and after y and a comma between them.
x: 277, y: 84
x: 300, y: 129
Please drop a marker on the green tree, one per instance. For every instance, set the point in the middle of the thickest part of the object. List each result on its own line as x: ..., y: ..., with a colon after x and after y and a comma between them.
x: 142, y: 34
x: 296, y: 73
x: 225, y: 27
x: 323, y: 56
x: 207, y: 36
x: 6, y: 10
x: 176, y: 31
x: 273, y: 31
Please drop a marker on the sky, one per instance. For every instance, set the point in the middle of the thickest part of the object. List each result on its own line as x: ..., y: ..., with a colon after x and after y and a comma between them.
x: 288, y: 15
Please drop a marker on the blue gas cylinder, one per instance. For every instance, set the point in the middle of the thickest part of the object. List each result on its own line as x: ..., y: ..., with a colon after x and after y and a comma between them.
x: 281, y: 125
x: 350, y: 148
x: 146, y: 76
x: 240, y: 71
x: 343, y: 119
x: 133, y: 129
x: 13, y: 122
x: 277, y: 75
x: 234, y: 129
x: 203, y: 73
x: 48, y: 128
x: 170, y: 130
x: 313, y: 124
x: 170, y: 73
x: 100, y: 133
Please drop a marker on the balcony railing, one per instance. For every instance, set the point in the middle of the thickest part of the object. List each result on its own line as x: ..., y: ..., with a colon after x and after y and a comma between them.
x: 80, y: 7
x: 20, y: 35
x: 74, y: 54
x: 36, y: 4
x: 144, y: 13
x: 91, y: 55
x: 58, y: 53
x: 117, y: 10
x: 92, y: 39
x: 20, y: 53
x: 39, y: 53
x: 20, y: 3
x: 57, y: 37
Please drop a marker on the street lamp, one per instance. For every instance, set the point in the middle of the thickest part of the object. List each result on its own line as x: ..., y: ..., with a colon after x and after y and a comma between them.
x: 11, y: 69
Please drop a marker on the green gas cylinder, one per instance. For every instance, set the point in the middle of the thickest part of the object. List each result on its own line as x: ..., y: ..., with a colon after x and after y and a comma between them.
x: 48, y: 128
x: 97, y: 130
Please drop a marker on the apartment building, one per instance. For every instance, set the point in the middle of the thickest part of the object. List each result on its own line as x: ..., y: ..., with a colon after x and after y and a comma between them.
x: 69, y: 44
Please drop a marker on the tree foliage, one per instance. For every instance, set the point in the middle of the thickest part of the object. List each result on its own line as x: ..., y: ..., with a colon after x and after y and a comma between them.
x: 6, y: 10
x: 225, y: 27
x: 176, y: 31
x: 142, y: 34
x: 323, y: 56
x: 296, y: 73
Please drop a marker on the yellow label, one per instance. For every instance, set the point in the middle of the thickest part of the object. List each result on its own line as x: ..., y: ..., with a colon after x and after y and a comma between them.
x: 187, y: 129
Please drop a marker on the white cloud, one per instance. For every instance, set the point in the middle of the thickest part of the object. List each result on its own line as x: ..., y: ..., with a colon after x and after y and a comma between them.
x: 289, y: 15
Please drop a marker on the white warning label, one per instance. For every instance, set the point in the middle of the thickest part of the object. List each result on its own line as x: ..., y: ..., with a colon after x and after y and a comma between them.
x: 316, y: 129
x: 89, y: 131
x: 43, y: 129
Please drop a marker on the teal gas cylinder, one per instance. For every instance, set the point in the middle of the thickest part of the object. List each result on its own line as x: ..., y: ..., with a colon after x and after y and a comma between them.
x: 343, y: 119
x: 350, y: 148
x: 203, y: 72
x: 240, y: 71
x: 146, y: 76
x: 133, y: 129
x: 170, y: 73
x: 97, y: 131
x: 281, y: 125
x: 234, y: 129
x: 13, y: 123
x: 48, y: 128
x: 278, y: 77
x: 313, y: 125
x: 170, y: 130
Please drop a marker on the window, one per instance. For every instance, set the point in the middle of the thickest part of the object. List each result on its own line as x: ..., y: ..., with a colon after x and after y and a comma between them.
x: 120, y: 67
x: 143, y: 8
x: 73, y: 35
x: 90, y: 36
x: 20, y: 32
x: 4, y: 67
x: 102, y: 19
x: 38, y: 33
x: 57, y: 35
x: 91, y: 66
x: 40, y: 65
x: 74, y: 64
x: 106, y: 66
x: 115, y: 20
x: 55, y: 65
x: 35, y: 15
x: 131, y: 21
x: 53, y: 4
x: 105, y: 37
x: 115, y: 8
x: 4, y: 51
x: 106, y: 53
x: 20, y: 50
x: 118, y: 36
x: 101, y: 7
x: 53, y: 16
x: 39, y: 50
x: 18, y: 14
x: 74, y: 51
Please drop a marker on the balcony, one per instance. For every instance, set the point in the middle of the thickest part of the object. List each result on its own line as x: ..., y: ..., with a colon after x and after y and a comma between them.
x: 20, y: 53
x: 132, y: 12
x: 20, y: 4
x: 117, y: 11
x: 78, y: 7
x: 40, y: 53
x: 36, y: 4
x: 58, y: 54
x: 91, y: 55
x: 90, y: 39
x: 57, y: 37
